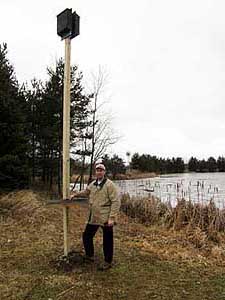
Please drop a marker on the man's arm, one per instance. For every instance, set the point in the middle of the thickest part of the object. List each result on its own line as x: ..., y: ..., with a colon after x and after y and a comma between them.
x: 115, y: 204
x: 84, y: 193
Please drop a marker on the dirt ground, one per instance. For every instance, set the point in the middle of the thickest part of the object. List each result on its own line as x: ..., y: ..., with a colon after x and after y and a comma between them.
x: 150, y: 262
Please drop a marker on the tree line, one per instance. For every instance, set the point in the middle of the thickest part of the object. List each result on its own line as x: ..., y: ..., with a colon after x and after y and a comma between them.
x: 31, y: 125
x: 151, y: 163
x: 148, y: 163
x: 209, y: 165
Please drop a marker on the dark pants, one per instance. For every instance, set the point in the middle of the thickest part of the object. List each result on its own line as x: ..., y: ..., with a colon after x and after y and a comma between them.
x: 88, y: 236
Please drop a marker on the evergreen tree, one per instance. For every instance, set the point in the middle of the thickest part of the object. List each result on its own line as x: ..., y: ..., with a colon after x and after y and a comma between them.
x: 13, y: 133
x: 46, y: 114
x: 203, y: 166
x: 114, y: 165
x: 178, y: 165
x: 193, y: 164
x: 168, y: 166
x: 211, y: 164
x: 221, y: 164
x: 80, y: 121
x: 135, y: 161
x: 34, y: 97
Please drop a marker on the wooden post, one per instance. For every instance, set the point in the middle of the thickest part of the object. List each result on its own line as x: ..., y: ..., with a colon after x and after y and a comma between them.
x: 66, y: 142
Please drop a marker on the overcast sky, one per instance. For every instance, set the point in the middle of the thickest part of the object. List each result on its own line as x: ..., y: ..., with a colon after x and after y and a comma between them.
x: 166, y: 61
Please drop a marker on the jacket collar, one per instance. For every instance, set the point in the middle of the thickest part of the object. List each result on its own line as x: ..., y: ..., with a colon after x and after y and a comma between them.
x: 101, y: 184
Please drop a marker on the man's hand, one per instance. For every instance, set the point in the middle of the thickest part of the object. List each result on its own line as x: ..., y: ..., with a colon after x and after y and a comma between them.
x: 73, y: 195
x: 110, y: 222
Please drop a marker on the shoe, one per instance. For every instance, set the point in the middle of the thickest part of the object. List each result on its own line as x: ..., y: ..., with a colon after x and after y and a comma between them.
x: 105, y: 266
x: 88, y: 259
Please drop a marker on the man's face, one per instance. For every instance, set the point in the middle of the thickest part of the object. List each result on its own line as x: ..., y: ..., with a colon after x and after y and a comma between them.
x: 100, y: 173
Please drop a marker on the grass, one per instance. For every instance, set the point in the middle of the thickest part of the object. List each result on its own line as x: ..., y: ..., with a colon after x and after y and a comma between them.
x: 201, y: 222
x: 151, y: 262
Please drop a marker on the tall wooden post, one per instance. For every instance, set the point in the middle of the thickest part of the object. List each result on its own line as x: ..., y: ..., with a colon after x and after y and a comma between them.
x: 68, y: 27
x: 66, y: 141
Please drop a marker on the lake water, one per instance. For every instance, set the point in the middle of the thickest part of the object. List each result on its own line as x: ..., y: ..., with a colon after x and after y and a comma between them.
x: 197, y: 187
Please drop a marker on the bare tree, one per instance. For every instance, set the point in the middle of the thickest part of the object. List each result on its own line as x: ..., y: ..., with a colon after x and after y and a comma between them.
x: 103, y: 135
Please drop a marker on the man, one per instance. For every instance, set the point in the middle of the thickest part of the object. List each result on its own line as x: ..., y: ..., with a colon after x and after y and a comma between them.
x: 104, y: 205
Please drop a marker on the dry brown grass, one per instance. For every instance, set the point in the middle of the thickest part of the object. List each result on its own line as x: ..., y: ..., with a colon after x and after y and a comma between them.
x: 22, y: 204
x: 147, y: 210
x: 154, y: 261
x: 201, y: 223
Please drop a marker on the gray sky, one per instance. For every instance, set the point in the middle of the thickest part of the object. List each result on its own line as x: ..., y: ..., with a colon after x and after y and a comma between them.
x: 166, y: 61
